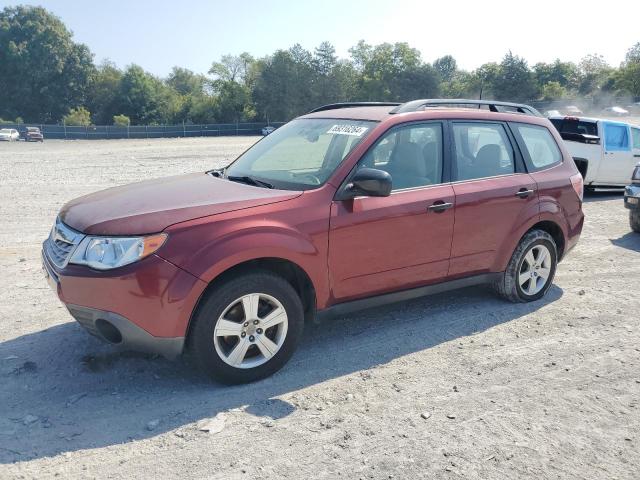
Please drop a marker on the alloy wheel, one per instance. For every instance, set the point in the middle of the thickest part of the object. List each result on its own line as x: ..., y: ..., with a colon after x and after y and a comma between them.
x: 535, y: 270
x: 251, y: 330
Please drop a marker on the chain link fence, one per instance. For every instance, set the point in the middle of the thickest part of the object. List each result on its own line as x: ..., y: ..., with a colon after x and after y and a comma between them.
x: 101, y: 132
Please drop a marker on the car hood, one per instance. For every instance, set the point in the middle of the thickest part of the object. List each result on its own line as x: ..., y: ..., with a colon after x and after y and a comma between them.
x: 153, y: 205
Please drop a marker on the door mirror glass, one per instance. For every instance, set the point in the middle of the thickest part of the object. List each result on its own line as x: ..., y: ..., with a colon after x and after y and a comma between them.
x: 368, y: 182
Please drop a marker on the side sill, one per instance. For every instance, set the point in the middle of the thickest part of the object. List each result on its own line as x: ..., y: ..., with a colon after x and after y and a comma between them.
x: 345, y: 308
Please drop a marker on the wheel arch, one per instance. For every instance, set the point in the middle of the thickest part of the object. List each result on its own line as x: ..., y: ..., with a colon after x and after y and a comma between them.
x: 556, y: 232
x: 293, y: 273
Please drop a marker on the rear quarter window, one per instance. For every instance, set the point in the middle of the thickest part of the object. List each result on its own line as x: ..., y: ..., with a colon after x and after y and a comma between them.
x: 540, y: 147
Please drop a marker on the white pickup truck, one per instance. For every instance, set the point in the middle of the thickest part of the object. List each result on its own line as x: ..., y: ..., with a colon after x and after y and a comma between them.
x: 605, y: 151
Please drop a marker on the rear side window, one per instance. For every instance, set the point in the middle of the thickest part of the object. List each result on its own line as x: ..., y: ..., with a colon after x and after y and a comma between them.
x: 616, y: 137
x: 482, y: 150
x: 635, y: 135
x: 541, y: 148
x: 564, y: 125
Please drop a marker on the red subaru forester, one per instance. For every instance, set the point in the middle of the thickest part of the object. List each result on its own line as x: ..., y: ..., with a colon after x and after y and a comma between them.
x: 348, y: 207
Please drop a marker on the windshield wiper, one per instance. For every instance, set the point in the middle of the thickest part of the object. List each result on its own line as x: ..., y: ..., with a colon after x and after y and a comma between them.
x: 249, y: 180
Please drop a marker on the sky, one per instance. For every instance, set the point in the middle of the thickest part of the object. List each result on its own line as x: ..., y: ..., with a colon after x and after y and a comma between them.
x: 160, y: 34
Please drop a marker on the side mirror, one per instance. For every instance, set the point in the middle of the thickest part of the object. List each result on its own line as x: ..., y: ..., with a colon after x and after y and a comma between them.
x: 367, y: 182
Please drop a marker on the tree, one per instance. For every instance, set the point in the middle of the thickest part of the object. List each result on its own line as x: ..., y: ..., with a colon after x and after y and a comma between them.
x: 446, y: 66
x: 385, y: 67
x: 513, y: 80
x: 79, y: 116
x: 594, y: 71
x: 566, y: 74
x: 186, y: 82
x: 553, y: 91
x: 144, y: 98
x: 633, y: 54
x: 232, y: 68
x: 121, y: 121
x: 283, y: 88
x: 42, y: 71
x: 628, y: 78
x: 103, y: 91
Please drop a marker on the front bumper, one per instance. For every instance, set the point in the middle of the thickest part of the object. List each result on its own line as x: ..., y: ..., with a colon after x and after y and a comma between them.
x: 632, y: 197
x: 145, y: 306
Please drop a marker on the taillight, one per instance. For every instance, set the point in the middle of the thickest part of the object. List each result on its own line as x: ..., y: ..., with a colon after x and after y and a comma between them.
x: 578, y: 184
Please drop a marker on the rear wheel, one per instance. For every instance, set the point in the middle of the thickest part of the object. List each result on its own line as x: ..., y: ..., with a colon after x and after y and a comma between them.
x: 634, y: 221
x: 247, y: 328
x: 531, y: 269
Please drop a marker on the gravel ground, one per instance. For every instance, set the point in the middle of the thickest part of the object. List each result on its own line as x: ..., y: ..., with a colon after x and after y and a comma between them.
x: 460, y: 385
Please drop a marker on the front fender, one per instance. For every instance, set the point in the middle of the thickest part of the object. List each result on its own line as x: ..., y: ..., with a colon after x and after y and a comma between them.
x: 209, y: 249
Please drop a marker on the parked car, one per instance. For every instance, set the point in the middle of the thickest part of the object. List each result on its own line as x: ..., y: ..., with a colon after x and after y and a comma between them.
x: 616, y: 111
x: 632, y: 199
x: 572, y: 110
x: 605, y: 151
x: 348, y: 207
x: 9, y: 134
x: 32, y: 134
x: 267, y: 130
x: 633, y: 108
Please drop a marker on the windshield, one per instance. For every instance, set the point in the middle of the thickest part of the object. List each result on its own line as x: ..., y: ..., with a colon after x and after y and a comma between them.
x: 5, y: 130
x: 302, y: 154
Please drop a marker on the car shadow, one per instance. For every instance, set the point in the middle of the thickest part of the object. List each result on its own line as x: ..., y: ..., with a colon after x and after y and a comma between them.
x: 63, y: 390
x: 602, y: 195
x: 630, y: 241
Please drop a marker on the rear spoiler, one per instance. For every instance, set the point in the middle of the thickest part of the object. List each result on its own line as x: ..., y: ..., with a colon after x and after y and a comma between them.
x: 580, y: 138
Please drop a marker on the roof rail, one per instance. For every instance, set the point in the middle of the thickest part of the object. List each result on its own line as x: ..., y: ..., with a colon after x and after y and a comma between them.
x: 494, y: 106
x: 333, y: 106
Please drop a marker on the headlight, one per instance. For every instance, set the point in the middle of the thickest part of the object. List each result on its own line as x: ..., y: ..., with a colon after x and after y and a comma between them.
x: 104, y: 253
x: 635, y: 178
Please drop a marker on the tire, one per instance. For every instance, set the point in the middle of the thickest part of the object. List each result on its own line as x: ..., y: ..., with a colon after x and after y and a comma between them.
x: 513, y: 284
x: 634, y: 221
x: 217, y: 355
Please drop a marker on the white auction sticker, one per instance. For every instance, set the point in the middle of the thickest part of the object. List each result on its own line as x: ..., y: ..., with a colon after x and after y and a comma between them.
x: 354, y: 130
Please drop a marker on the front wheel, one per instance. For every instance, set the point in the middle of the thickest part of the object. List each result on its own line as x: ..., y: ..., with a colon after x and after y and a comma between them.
x: 634, y: 221
x: 531, y: 269
x: 247, y: 328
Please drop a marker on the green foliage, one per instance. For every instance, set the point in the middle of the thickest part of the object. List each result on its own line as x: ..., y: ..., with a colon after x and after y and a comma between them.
x: 102, y: 96
x: 121, y: 121
x: 447, y: 67
x: 79, y: 116
x: 513, y: 80
x: 42, y: 71
x: 553, y: 91
x: 566, y: 74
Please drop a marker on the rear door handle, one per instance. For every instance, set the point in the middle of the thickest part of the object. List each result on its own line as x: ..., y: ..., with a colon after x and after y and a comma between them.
x: 524, y: 192
x: 439, y: 206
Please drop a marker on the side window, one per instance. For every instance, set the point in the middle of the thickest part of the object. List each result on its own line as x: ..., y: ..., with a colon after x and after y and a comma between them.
x: 635, y: 135
x: 541, y: 147
x: 412, y: 155
x: 616, y: 137
x: 482, y: 150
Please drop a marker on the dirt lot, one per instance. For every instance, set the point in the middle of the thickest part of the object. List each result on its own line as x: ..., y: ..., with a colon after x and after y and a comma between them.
x: 545, y: 390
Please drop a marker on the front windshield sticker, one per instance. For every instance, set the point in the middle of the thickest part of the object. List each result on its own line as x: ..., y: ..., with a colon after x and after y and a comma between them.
x: 353, y: 130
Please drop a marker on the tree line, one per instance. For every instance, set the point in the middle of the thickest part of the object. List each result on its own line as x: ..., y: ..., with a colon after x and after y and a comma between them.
x: 46, y: 77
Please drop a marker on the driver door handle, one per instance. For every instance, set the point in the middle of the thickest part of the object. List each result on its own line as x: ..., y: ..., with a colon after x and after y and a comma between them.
x: 524, y: 192
x: 439, y: 206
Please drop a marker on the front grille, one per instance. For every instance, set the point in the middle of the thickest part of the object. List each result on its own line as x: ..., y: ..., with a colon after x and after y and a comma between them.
x: 61, y: 243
